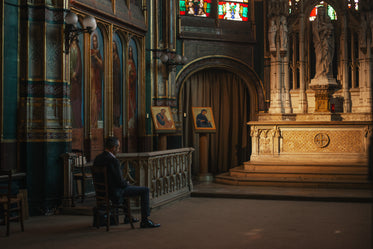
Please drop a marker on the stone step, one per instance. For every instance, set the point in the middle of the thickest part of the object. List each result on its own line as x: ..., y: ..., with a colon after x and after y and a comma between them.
x: 298, y: 176
x: 274, y: 180
x: 312, y: 169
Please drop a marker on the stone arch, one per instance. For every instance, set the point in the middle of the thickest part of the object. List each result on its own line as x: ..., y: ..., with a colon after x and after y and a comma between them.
x: 240, y: 68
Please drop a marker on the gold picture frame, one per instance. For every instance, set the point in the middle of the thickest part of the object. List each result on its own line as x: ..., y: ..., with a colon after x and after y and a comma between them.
x: 162, y: 119
x: 203, y: 118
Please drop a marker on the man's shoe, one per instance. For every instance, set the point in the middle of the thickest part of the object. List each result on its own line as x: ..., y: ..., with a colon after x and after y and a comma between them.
x: 127, y: 220
x: 148, y: 224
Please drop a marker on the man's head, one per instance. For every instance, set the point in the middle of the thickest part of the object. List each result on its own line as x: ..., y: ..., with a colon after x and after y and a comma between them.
x: 112, y: 145
x: 204, y: 111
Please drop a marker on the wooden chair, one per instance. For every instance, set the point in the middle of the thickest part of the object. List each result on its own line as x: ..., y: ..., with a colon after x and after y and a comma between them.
x: 103, y: 203
x: 11, y: 203
x: 81, y: 174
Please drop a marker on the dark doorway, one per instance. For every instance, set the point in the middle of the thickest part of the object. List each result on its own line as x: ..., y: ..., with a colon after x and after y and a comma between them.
x: 226, y: 93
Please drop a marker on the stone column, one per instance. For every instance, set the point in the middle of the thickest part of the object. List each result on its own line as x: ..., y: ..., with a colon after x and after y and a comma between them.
x: 274, y: 45
x: 285, y: 66
x: 44, y: 128
x: 345, y: 71
x: 354, y: 64
x: 255, y: 140
x: 369, y: 75
x: 302, y: 71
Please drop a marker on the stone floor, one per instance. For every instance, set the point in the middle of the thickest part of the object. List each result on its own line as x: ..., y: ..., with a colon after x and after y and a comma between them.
x: 221, y: 217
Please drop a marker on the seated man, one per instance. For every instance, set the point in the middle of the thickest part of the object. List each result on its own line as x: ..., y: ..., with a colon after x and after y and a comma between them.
x: 118, y: 186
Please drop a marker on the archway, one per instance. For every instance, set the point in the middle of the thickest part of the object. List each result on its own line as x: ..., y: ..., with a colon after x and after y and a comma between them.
x: 235, y: 94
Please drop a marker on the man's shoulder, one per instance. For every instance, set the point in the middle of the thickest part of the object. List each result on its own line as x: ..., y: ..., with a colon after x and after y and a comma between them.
x: 104, y: 157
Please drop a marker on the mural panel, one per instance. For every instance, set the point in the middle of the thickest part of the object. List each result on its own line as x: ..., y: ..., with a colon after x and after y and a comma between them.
x: 97, y: 79
x: 76, y: 83
x: 132, y: 85
x: 117, y: 81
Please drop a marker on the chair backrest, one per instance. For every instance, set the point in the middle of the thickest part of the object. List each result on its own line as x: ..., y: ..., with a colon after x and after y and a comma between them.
x: 79, y: 160
x: 100, y: 182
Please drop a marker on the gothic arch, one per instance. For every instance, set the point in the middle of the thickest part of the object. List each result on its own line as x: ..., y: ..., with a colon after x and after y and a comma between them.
x: 240, y: 68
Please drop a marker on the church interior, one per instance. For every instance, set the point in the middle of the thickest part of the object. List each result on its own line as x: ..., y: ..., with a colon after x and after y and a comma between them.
x: 236, y: 92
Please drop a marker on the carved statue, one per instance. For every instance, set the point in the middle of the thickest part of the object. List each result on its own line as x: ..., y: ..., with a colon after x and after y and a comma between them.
x: 283, y: 33
x: 323, y: 39
x: 272, y: 31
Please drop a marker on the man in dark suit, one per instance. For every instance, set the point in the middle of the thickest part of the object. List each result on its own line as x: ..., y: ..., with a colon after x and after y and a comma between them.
x: 118, y: 186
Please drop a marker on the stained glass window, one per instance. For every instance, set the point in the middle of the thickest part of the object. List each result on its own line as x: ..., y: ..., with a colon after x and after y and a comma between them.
x: 353, y: 3
x: 200, y: 8
x: 233, y: 10
x: 331, y: 12
x: 296, y: 2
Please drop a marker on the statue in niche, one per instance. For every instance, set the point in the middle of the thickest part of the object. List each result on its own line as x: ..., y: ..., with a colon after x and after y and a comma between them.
x: 272, y: 31
x: 283, y: 30
x: 323, y: 39
x: 277, y: 28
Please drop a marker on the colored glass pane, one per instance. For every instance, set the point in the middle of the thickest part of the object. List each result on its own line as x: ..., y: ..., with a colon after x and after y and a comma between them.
x: 330, y: 10
x: 240, y: 1
x: 233, y: 10
x: 182, y: 7
x: 353, y: 3
x: 200, y: 8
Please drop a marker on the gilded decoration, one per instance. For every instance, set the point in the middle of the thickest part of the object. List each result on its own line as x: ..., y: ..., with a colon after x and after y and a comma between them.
x: 304, y: 141
x: 322, y: 140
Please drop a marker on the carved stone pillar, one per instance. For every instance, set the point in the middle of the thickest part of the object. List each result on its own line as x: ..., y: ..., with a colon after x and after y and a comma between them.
x: 285, y: 66
x: 302, y: 70
x: 345, y: 75
x: 275, y: 84
x: 255, y: 141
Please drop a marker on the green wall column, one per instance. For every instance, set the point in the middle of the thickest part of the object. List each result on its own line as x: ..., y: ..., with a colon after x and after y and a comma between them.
x: 44, y: 125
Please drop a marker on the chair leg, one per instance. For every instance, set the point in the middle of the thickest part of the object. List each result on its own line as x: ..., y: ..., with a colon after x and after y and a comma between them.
x: 83, y: 188
x: 115, y: 214
x: 21, y: 216
x: 107, y: 219
x: 97, y: 214
x: 7, y: 216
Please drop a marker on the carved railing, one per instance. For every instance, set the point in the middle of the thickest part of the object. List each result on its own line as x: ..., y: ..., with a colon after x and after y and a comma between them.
x: 166, y: 173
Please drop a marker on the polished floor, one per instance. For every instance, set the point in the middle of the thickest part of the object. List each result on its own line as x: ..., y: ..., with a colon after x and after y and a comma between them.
x: 231, y: 217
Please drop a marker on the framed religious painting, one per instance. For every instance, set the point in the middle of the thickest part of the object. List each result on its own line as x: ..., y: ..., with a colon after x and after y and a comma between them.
x: 203, y: 119
x: 162, y: 119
